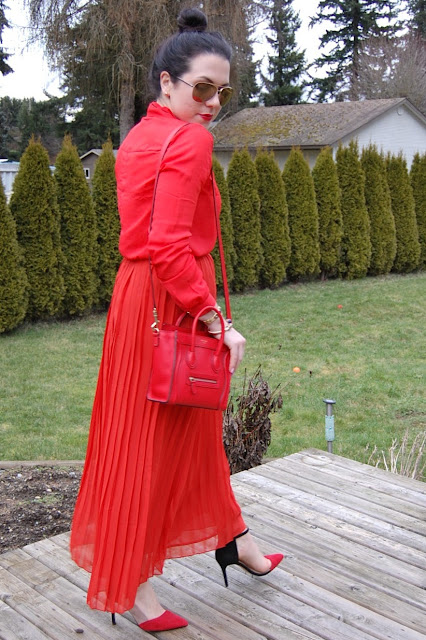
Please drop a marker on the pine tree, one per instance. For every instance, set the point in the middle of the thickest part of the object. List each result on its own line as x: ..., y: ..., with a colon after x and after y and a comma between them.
x: 275, y: 235
x: 418, y: 184
x: 407, y: 236
x: 302, y: 217
x: 35, y: 209
x: 287, y: 64
x: 78, y: 231
x: 356, y: 245
x: 104, y: 194
x: 5, y: 68
x: 226, y: 228
x: 353, y: 21
x: 245, y: 205
x: 417, y: 9
x: 327, y: 193
x: 13, y: 280
x: 379, y: 207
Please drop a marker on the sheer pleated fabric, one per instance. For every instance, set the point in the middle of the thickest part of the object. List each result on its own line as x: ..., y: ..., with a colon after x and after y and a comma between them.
x: 156, y: 480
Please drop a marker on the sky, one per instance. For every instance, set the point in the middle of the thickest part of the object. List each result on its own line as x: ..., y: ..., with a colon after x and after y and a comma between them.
x: 32, y: 77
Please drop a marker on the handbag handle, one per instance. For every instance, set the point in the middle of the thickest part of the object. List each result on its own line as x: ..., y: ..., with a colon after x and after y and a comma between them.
x: 154, y: 325
x: 194, y: 328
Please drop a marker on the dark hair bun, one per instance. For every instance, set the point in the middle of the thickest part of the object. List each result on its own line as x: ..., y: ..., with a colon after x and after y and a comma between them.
x: 192, y: 20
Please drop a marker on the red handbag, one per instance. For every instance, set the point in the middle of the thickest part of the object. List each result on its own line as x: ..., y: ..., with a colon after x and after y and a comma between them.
x: 190, y: 367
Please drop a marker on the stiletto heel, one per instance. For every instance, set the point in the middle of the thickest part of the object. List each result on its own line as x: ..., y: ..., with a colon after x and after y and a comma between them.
x: 229, y: 555
x: 167, y: 621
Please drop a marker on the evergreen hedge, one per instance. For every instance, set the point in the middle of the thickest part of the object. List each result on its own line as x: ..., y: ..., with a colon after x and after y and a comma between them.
x: 407, y: 237
x: 13, y: 280
x: 34, y: 207
x: 327, y: 191
x: 226, y: 228
x: 302, y: 217
x: 104, y: 194
x: 245, y: 207
x: 78, y: 231
x: 379, y: 207
x: 418, y: 184
x: 275, y: 235
x: 356, y: 246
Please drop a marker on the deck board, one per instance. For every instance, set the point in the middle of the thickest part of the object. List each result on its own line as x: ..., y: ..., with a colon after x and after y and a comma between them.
x: 354, y: 539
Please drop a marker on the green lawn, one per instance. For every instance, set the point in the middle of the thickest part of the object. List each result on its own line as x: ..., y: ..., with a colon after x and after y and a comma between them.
x: 368, y: 355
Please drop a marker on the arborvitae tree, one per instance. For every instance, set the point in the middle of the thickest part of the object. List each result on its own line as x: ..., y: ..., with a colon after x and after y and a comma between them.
x: 104, y: 194
x: 418, y: 184
x: 245, y: 205
x: 13, y: 280
x: 352, y: 22
x: 407, y: 236
x: 78, y: 231
x: 226, y: 228
x: 356, y: 245
x: 302, y: 217
x: 286, y: 64
x: 35, y: 209
x: 273, y: 220
x: 379, y: 207
x: 327, y: 193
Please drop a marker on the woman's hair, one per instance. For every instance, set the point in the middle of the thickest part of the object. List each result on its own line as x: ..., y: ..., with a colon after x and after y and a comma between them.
x: 175, y: 54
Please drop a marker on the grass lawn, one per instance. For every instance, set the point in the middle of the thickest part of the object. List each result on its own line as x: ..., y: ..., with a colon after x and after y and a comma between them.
x: 368, y: 355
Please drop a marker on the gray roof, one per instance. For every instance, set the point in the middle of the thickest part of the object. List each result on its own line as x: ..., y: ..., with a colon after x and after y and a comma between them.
x: 304, y: 125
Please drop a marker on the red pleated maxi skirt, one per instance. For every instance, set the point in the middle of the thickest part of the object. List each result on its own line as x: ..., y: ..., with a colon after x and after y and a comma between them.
x: 156, y: 479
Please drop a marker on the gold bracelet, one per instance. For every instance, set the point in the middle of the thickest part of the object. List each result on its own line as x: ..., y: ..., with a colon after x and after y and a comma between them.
x: 214, y: 317
x: 228, y: 325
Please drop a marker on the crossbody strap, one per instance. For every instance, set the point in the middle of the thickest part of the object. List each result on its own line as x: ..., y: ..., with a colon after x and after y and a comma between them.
x: 164, y: 148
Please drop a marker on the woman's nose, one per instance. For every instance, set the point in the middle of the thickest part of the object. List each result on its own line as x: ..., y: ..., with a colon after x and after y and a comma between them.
x: 214, y: 101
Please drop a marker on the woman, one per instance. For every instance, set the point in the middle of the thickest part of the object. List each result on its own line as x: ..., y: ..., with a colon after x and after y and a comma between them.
x: 156, y: 479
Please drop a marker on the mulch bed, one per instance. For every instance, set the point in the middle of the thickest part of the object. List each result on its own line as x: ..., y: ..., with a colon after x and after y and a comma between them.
x: 36, y: 502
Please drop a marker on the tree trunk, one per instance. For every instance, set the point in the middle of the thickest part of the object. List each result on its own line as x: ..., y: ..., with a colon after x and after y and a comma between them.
x: 127, y: 104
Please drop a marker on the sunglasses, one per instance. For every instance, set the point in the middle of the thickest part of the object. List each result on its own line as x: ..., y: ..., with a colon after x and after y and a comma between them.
x: 204, y: 91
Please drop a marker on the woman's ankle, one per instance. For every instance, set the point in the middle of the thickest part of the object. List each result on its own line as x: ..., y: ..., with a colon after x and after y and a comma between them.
x: 146, y: 606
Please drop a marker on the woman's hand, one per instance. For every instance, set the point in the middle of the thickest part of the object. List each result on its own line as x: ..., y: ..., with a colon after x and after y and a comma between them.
x: 236, y: 344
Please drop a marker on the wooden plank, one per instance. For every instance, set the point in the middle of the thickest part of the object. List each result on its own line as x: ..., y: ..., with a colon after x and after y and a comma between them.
x: 415, y: 515
x: 259, y: 604
x: 285, y: 484
x: 352, y: 533
x: 380, y: 485
x: 345, y: 464
x: 308, y: 605
x: 55, y: 623
x: 14, y: 627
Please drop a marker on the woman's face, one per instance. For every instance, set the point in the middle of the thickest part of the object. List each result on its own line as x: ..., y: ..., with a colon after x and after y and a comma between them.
x: 177, y: 95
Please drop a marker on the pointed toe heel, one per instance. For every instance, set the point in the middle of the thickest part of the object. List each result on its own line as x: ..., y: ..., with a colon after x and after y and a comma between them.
x: 228, y: 555
x: 167, y: 621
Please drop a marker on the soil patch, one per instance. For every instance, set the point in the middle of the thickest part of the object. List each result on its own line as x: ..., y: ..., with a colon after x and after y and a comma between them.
x: 35, y: 503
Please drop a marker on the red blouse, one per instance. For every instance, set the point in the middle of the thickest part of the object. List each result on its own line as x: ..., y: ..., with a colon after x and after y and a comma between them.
x: 184, y: 222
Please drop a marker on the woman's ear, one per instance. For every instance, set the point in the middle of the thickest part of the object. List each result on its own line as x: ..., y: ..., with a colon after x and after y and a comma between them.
x: 165, y: 83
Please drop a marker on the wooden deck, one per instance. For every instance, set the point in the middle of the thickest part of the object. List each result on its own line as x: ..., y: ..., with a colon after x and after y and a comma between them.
x: 354, y: 538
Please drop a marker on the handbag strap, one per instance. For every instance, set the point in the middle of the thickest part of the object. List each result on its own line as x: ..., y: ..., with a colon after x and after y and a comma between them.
x: 164, y: 148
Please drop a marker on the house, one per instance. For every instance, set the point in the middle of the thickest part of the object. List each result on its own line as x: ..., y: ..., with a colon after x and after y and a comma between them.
x: 393, y: 125
x: 8, y: 171
x: 88, y: 161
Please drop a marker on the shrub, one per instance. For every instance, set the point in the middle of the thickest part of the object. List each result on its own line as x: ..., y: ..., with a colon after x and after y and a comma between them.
x: 302, y: 217
x: 78, y: 231
x: 407, y: 237
x: 34, y: 207
x: 13, y: 280
x: 275, y: 235
x: 327, y: 191
x: 379, y: 207
x: 418, y: 184
x: 245, y: 205
x: 104, y: 194
x: 226, y: 228
x: 247, y: 429
x: 356, y: 246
